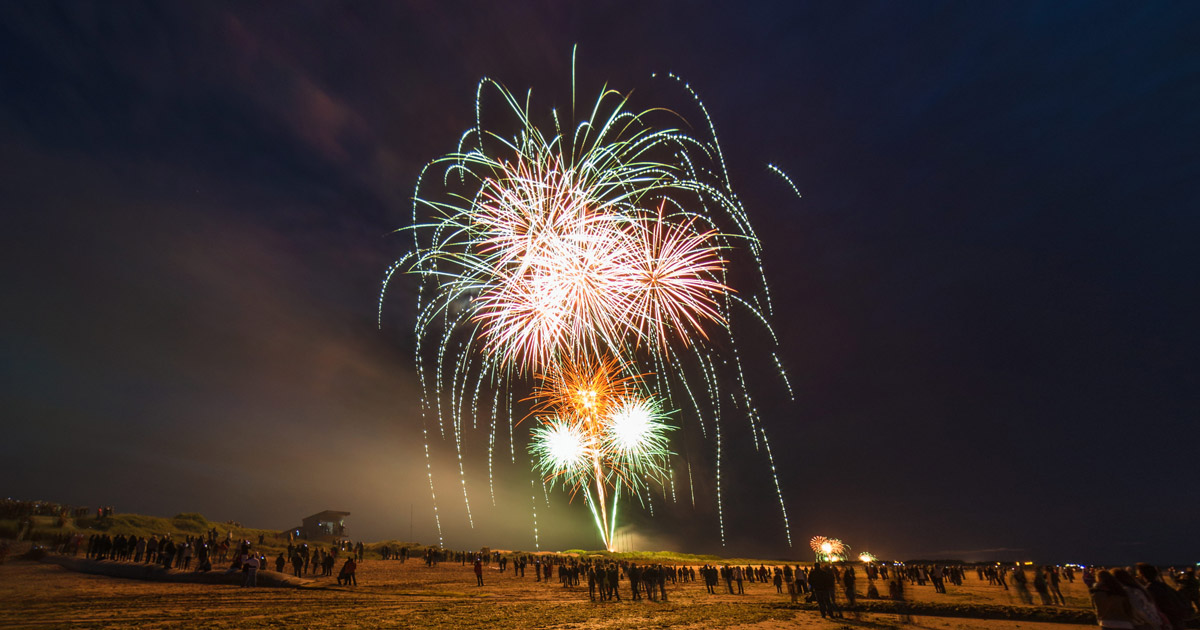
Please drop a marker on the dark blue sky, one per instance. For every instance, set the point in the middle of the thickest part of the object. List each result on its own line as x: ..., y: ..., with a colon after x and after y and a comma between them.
x: 986, y: 296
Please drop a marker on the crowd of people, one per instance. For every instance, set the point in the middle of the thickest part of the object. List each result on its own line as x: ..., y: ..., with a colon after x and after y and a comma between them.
x: 649, y: 581
x: 200, y: 553
x: 13, y: 509
x: 1123, y: 598
x: 306, y: 560
x: 1139, y: 599
x: 1132, y: 598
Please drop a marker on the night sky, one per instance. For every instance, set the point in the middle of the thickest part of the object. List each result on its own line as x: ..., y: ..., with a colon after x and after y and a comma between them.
x: 987, y: 295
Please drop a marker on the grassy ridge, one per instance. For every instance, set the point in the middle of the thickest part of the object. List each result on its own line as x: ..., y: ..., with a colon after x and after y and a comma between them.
x: 47, y: 528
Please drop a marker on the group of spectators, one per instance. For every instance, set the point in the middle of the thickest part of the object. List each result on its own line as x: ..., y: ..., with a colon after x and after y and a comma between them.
x: 13, y: 509
x: 164, y: 550
x: 199, y: 553
x: 649, y: 581
x: 306, y: 561
x: 387, y: 553
x: 1124, y: 598
x: 1134, y: 598
x: 1139, y: 599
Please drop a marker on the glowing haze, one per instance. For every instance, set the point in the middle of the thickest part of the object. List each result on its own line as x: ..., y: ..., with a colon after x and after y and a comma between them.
x: 991, y: 267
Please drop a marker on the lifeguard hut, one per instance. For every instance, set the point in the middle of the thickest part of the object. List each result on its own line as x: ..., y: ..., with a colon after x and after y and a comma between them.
x: 327, y: 525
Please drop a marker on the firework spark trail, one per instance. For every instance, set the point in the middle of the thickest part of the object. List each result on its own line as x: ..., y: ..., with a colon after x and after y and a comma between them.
x: 512, y: 448
x: 429, y: 471
x: 550, y: 249
x: 491, y: 449
x: 751, y: 417
x: 787, y: 527
x: 533, y: 497
x: 720, y: 505
x: 691, y: 485
x: 783, y: 374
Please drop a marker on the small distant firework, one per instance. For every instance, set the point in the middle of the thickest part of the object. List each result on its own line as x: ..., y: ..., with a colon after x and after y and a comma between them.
x: 589, y: 264
x: 866, y: 557
x: 828, y: 549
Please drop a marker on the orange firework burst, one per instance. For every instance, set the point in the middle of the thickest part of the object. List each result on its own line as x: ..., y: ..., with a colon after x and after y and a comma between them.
x: 598, y: 433
x: 828, y: 549
x: 584, y: 388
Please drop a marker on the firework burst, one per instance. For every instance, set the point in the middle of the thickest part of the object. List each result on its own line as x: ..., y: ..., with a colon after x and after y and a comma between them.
x: 828, y: 549
x: 547, y: 250
x: 596, y: 434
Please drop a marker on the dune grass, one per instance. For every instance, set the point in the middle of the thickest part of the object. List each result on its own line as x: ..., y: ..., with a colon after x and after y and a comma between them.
x: 47, y: 528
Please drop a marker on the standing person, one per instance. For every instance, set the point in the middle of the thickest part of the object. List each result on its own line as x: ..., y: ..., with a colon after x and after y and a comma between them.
x: 802, y: 580
x: 250, y: 568
x: 346, y: 575
x: 650, y: 581
x: 614, y: 577
x: 938, y: 577
x: 1165, y: 597
x: 822, y: 582
x: 848, y: 581
x: 1112, y: 606
x: 1055, y: 592
x: 1042, y: 586
x: 166, y: 552
x: 1020, y: 582
x: 1145, y: 613
x: 1189, y: 588
x: 478, y: 571
x: 896, y: 592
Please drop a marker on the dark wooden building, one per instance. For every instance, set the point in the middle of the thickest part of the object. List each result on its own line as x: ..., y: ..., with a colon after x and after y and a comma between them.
x: 327, y: 525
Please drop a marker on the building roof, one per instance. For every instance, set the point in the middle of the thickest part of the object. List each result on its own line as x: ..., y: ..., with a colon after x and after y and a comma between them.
x: 327, y: 514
